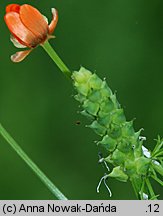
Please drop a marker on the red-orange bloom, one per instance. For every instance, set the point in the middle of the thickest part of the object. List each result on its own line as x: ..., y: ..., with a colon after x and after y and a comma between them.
x: 28, y: 28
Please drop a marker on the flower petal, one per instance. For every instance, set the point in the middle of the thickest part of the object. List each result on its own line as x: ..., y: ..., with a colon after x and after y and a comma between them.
x: 16, y: 42
x: 20, y: 56
x: 54, y: 21
x: 18, y: 30
x: 13, y: 8
x: 34, y: 21
x: 46, y: 19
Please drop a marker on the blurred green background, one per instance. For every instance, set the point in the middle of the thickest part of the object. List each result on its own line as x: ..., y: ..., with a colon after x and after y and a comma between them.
x: 121, y: 40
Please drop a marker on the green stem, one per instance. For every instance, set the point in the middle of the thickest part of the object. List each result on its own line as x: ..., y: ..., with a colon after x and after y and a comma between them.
x: 157, y: 179
x: 31, y: 164
x: 158, y: 168
x: 152, y: 194
x: 136, y: 186
x: 47, y: 47
x: 142, y: 190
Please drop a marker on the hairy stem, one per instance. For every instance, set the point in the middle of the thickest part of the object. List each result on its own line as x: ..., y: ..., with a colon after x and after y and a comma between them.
x: 55, y: 191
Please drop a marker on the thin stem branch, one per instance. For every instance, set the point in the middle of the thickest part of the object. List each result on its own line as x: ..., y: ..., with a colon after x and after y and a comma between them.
x: 153, y: 196
x: 142, y: 190
x: 137, y: 186
x: 135, y: 190
x: 55, y: 191
x: 157, y: 179
x: 51, y: 52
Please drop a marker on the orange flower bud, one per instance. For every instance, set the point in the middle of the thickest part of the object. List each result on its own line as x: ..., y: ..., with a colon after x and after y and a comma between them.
x: 28, y: 27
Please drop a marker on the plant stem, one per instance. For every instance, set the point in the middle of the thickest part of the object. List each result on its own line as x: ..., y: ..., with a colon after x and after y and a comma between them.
x: 47, y: 47
x: 55, y: 191
x: 142, y: 189
x: 157, y: 179
x: 135, y: 186
x: 153, y: 196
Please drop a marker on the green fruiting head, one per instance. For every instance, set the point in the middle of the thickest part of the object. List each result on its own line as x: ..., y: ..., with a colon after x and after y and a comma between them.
x: 123, y: 145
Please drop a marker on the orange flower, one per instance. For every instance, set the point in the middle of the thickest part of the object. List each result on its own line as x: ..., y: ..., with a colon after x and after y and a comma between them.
x: 28, y: 27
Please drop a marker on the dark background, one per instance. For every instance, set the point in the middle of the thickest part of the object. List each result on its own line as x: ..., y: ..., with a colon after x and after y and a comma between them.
x: 121, y: 40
